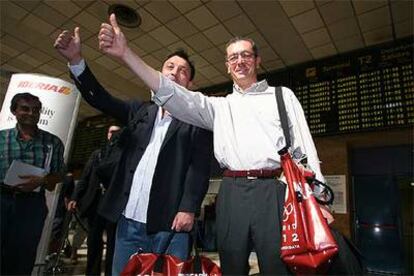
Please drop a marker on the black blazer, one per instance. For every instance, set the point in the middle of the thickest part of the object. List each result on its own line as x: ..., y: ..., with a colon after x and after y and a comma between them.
x: 182, y: 172
x: 88, y: 187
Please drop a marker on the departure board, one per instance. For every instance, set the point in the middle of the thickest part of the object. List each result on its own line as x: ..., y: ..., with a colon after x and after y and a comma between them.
x: 369, y: 89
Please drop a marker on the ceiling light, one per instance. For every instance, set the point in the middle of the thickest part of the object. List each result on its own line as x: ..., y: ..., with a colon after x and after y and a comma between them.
x: 126, y: 16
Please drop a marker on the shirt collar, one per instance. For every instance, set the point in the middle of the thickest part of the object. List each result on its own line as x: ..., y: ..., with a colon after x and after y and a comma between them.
x: 259, y: 86
x: 16, y: 133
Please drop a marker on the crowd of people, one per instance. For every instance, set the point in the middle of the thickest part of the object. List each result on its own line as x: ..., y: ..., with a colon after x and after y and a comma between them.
x: 153, y: 190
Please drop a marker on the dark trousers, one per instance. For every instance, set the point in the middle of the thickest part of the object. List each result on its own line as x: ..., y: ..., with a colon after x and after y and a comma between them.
x: 97, y: 226
x: 22, y: 219
x: 248, y: 218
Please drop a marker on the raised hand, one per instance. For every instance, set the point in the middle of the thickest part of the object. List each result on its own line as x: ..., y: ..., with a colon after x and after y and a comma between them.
x: 69, y: 46
x: 111, y: 39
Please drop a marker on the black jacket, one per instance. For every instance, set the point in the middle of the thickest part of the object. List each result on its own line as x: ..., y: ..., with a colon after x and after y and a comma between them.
x: 88, y: 188
x: 182, y: 172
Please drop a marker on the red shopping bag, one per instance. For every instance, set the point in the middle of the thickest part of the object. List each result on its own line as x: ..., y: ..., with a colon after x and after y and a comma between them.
x: 156, y: 264
x: 307, y: 246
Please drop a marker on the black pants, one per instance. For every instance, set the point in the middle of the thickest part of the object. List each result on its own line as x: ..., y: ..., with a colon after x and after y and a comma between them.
x: 248, y: 217
x: 22, y: 219
x: 97, y: 226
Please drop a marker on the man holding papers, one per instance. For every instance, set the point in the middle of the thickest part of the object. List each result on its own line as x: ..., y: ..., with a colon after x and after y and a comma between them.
x: 37, y: 158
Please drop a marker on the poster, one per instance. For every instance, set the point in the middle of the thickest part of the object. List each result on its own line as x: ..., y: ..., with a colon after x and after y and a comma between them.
x: 338, y: 186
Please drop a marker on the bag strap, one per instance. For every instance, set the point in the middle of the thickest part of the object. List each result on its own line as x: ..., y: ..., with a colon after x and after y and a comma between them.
x: 197, y: 260
x: 283, y: 115
x: 159, y: 263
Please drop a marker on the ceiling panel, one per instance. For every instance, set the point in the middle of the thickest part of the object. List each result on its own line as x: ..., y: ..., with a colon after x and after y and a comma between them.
x: 218, y: 34
x: 307, y: 21
x: 239, y: 25
x: 224, y: 10
x: 336, y: 11
x: 296, y: 7
x: 316, y: 38
x: 374, y: 19
x: 202, y: 18
x: 286, y: 32
x: 349, y: 43
x: 162, y: 10
x: 365, y: 6
x: 344, y: 28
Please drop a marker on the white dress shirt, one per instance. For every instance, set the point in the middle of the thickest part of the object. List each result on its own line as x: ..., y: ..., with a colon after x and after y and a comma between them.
x: 137, y: 206
x: 246, y: 124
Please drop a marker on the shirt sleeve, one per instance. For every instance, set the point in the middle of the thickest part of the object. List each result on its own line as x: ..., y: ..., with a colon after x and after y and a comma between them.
x: 57, y: 163
x: 300, y: 132
x: 190, y: 107
x: 77, y: 69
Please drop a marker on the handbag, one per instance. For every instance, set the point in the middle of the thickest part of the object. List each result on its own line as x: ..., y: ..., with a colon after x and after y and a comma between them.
x: 164, y: 264
x: 307, y: 244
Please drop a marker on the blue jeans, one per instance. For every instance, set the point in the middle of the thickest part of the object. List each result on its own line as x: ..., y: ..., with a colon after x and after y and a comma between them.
x: 132, y: 237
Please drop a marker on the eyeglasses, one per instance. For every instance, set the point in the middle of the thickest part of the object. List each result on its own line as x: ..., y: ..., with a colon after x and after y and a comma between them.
x: 245, y: 55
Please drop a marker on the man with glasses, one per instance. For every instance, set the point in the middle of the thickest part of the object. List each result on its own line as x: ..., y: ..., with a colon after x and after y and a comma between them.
x: 247, y: 138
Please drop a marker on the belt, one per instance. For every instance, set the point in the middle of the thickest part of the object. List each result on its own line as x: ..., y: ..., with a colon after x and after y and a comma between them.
x: 252, y: 174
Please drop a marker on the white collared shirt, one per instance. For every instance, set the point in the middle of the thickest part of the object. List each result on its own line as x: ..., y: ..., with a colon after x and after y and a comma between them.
x: 246, y: 124
x: 137, y: 206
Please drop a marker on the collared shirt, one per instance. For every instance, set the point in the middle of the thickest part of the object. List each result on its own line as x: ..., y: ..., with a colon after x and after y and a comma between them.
x: 246, y: 124
x: 35, y: 151
x: 137, y: 206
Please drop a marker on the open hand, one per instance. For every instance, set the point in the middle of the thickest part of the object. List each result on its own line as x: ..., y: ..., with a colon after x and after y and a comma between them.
x: 69, y: 46
x: 111, y: 39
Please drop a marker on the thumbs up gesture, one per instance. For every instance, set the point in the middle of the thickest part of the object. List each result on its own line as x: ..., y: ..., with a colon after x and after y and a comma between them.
x: 69, y: 46
x: 111, y: 39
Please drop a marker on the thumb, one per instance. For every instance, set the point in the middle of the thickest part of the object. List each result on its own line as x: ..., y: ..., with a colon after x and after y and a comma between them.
x: 77, y: 33
x: 112, y: 20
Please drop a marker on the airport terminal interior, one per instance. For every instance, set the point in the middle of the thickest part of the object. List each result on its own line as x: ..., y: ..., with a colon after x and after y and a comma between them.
x: 349, y: 63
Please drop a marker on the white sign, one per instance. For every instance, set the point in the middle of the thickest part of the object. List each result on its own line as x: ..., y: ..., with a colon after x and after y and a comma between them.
x: 338, y: 186
x: 60, y: 103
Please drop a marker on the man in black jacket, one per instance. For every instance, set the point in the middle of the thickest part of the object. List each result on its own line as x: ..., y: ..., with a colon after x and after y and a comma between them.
x: 86, y: 197
x: 163, y: 174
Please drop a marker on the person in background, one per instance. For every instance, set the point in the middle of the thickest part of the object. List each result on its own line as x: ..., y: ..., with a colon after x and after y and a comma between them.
x: 247, y: 138
x: 23, y: 206
x: 86, y: 199
x: 61, y: 219
x: 163, y: 175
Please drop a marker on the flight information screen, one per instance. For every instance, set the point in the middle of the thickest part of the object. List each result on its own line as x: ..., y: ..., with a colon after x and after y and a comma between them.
x: 370, y: 89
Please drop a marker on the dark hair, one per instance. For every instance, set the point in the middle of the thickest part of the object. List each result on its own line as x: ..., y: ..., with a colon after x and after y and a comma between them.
x: 241, y: 38
x: 182, y: 54
x: 23, y: 96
